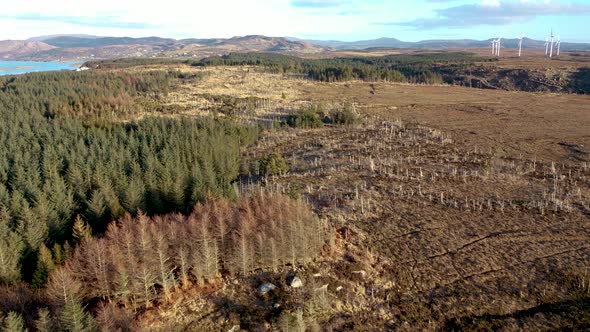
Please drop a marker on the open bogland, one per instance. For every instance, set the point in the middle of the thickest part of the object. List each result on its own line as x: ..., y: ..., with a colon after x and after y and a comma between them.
x: 432, y: 207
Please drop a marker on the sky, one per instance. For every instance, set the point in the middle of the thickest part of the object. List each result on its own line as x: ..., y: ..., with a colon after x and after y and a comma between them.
x: 345, y: 20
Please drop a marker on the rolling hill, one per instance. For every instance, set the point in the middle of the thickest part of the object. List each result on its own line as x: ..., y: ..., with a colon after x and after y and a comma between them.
x: 72, y: 41
x: 46, y: 37
x: 80, y: 48
x: 10, y: 49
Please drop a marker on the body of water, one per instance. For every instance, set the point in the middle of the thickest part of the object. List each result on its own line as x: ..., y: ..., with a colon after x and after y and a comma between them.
x: 23, y: 67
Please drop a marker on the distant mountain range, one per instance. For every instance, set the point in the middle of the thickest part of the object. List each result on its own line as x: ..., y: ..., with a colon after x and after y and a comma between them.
x: 438, y: 44
x: 44, y: 38
x: 85, y: 47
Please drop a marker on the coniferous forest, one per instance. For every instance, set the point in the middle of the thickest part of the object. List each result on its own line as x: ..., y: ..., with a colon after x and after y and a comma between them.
x: 426, y: 68
x: 71, y: 163
x: 423, y: 68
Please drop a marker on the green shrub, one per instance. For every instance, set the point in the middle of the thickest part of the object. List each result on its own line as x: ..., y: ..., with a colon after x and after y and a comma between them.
x: 275, y: 164
x: 307, y: 118
x: 346, y: 116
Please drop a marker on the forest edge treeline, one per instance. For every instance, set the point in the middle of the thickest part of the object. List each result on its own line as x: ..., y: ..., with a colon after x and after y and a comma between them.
x: 440, y: 67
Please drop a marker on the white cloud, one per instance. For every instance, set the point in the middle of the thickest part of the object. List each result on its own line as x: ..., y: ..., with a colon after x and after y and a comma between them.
x: 194, y: 18
x: 174, y: 18
x: 495, y: 12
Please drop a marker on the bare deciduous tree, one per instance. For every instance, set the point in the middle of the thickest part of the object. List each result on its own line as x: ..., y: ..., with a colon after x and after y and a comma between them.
x: 140, y: 256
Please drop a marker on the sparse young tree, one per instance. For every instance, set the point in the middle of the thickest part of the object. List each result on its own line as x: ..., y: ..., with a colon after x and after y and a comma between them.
x: 274, y: 164
x: 66, y: 292
x: 162, y: 259
x: 273, y: 254
x: 43, y: 323
x: 123, y: 289
x: 81, y: 230
x: 145, y: 281
x: 183, y: 259
x: 95, y: 260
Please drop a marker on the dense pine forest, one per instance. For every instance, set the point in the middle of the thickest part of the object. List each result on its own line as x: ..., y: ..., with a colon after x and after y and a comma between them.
x: 427, y: 68
x: 97, y: 96
x: 55, y: 164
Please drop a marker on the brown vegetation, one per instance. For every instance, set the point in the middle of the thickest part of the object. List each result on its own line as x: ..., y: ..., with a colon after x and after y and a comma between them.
x: 143, y: 259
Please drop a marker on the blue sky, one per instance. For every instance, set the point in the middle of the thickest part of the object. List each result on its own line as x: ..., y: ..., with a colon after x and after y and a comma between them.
x: 312, y: 19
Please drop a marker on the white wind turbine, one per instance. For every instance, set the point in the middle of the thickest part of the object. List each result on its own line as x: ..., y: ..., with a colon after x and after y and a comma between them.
x: 558, y: 45
x: 546, y: 46
x: 520, y: 45
x: 493, y: 47
x: 551, y: 50
x: 498, y: 46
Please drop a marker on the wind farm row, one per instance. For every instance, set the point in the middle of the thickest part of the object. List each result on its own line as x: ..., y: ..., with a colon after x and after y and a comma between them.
x: 551, y: 45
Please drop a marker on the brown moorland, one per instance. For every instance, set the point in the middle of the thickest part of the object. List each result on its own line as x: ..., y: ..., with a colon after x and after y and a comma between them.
x: 454, y: 208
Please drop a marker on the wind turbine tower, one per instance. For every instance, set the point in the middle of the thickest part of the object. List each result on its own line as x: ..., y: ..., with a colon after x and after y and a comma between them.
x: 520, y: 45
x: 498, y: 46
x: 558, y: 45
x: 551, y: 50
x: 493, y: 47
x: 546, y: 46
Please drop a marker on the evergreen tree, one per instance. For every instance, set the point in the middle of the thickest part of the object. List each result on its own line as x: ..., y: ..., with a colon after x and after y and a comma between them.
x: 66, y: 292
x: 14, y: 322
x: 75, y: 319
x: 122, y: 290
x: 34, y: 232
x: 134, y: 195
x: 81, y: 230
x: 44, y: 322
x: 45, y: 265
x: 97, y: 205
x: 11, y: 248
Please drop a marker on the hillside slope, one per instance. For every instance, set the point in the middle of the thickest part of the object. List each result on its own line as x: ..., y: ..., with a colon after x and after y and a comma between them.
x: 12, y: 48
x: 84, y: 48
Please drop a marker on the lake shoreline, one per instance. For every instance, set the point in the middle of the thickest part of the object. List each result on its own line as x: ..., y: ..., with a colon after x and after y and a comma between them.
x: 17, y: 68
x: 24, y: 67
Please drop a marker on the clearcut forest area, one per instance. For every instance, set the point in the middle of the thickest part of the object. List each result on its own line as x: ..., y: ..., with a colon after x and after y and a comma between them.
x: 436, y: 191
